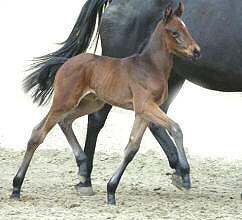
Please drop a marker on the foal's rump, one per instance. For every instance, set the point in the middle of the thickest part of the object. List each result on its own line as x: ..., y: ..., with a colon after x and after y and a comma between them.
x: 72, y: 80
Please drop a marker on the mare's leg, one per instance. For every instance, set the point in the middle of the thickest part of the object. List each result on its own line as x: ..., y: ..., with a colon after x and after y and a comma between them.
x: 156, y: 115
x: 131, y: 149
x: 175, y: 84
x: 95, y: 124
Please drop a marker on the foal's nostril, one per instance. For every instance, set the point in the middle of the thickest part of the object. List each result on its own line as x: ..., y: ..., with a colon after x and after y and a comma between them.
x: 196, y: 54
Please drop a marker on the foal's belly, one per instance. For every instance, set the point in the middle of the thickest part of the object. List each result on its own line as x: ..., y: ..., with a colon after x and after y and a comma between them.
x: 118, y: 102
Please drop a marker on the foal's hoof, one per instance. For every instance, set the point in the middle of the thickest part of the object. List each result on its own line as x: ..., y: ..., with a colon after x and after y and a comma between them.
x: 182, y: 183
x: 84, y: 191
x: 15, y: 196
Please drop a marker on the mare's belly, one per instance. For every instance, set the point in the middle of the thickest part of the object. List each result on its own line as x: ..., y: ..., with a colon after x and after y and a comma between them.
x: 212, y: 77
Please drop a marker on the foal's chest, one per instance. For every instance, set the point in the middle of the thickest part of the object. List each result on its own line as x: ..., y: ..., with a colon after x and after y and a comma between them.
x: 159, y: 91
x: 155, y: 86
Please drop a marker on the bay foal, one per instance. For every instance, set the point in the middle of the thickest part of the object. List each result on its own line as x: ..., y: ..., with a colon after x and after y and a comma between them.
x: 86, y: 82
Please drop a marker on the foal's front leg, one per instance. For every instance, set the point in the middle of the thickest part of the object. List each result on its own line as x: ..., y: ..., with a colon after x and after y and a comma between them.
x: 175, y: 83
x: 153, y: 113
x: 131, y: 149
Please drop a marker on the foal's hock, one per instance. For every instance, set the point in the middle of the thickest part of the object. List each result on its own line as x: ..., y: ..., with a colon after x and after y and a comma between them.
x: 86, y: 82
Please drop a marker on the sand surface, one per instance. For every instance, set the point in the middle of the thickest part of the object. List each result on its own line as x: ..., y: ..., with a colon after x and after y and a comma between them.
x: 145, y: 191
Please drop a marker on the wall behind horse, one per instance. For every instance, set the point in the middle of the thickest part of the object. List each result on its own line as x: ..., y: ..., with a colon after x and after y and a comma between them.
x: 210, y: 120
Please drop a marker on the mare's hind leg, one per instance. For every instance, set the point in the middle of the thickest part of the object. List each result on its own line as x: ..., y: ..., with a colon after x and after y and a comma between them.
x: 131, y: 149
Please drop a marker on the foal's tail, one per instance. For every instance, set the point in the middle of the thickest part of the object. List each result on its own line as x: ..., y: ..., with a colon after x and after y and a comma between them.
x: 45, y: 67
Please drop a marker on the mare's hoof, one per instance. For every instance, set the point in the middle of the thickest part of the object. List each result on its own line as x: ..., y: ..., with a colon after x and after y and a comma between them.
x: 111, y: 199
x: 84, y: 190
x: 15, y: 196
x: 182, y: 183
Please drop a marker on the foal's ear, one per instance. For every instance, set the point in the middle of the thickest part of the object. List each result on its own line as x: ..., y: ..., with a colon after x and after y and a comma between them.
x: 168, y: 14
x: 179, y: 11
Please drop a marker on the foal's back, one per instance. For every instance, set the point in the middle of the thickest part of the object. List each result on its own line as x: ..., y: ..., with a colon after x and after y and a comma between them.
x: 108, y: 78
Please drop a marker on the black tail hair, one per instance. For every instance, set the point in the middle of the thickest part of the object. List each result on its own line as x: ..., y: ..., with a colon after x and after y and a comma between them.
x: 42, y: 79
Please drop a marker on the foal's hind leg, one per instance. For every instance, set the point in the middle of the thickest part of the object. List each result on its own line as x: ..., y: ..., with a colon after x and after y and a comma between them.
x: 131, y: 149
x: 87, y: 106
x: 80, y: 156
x: 35, y: 140
x: 95, y: 124
x: 37, y: 137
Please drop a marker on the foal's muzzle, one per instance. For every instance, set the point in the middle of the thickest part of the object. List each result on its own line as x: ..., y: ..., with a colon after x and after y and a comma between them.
x: 196, y: 54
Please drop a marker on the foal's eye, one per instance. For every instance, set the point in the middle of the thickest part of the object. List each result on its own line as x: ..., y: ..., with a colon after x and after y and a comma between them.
x: 175, y: 34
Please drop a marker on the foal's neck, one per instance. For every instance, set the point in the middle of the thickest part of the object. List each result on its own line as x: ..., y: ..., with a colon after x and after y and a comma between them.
x: 156, y: 51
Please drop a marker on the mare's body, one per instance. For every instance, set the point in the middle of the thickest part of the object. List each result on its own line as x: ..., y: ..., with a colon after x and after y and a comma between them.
x: 216, y: 26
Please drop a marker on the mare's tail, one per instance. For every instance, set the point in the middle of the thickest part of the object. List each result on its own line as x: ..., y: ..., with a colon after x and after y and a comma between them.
x: 42, y: 79
x: 45, y: 67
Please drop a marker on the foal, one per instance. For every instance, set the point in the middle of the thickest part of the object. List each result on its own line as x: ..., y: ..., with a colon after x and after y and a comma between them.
x: 86, y: 82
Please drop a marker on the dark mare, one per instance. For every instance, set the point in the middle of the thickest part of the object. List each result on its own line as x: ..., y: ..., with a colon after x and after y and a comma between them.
x: 125, y: 25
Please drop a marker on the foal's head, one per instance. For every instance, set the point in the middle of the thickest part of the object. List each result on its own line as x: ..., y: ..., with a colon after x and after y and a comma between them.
x: 178, y: 39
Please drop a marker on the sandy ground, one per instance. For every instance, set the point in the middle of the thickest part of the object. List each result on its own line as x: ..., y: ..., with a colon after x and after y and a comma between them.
x: 145, y: 191
x: 211, y: 123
